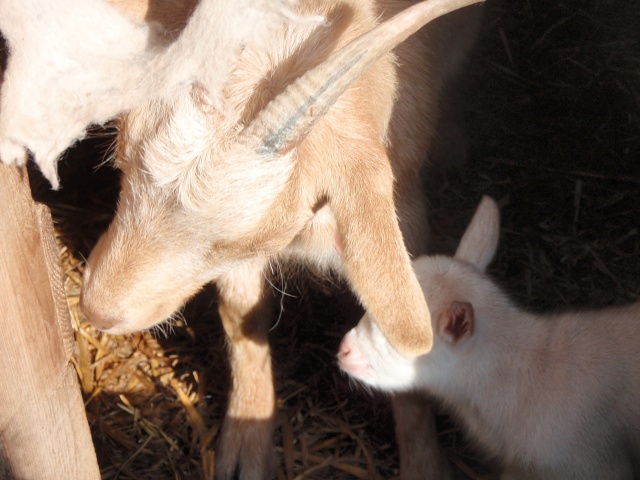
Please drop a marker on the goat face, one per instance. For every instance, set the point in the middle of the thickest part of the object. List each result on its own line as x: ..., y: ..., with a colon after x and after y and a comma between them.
x: 192, y: 201
x: 201, y: 194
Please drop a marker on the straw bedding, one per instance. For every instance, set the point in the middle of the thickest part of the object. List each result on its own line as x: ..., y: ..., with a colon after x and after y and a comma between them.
x: 552, y: 110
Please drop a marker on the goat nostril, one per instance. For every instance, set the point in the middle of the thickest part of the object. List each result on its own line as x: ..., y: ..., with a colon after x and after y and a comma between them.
x: 344, y: 351
x: 103, y: 323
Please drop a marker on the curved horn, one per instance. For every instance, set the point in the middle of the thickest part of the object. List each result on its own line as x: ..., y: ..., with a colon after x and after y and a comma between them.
x: 291, y: 115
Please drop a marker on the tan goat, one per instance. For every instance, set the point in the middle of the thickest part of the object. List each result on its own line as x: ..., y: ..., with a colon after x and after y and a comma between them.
x: 218, y: 182
x: 198, y: 205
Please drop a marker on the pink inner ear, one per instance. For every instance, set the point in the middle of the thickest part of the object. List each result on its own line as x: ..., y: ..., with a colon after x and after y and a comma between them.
x: 459, y: 320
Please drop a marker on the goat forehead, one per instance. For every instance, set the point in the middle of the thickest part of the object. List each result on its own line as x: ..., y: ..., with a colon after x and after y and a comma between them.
x: 149, y: 124
x: 262, y: 71
x: 154, y: 160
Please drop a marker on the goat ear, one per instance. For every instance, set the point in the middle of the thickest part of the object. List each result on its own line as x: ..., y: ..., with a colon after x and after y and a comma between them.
x: 455, y: 324
x: 480, y: 240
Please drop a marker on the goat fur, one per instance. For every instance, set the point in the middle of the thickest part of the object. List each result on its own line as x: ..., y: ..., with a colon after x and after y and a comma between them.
x: 551, y: 396
x: 74, y: 63
x: 197, y: 207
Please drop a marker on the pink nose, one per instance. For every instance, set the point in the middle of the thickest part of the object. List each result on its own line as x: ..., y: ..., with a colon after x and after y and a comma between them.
x: 344, y: 350
x: 90, y: 305
x: 350, y: 356
x: 347, y: 346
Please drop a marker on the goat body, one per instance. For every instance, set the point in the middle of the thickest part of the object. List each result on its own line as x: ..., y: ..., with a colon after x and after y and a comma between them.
x: 551, y: 396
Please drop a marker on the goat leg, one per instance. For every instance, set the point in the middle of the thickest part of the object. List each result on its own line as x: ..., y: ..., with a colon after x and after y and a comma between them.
x: 420, y: 454
x: 245, y: 447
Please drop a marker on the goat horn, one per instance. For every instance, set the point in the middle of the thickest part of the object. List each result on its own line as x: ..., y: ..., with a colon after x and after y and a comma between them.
x: 290, y: 116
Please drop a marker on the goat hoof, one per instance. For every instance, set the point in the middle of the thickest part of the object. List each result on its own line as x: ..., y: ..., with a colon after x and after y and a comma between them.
x: 245, y: 450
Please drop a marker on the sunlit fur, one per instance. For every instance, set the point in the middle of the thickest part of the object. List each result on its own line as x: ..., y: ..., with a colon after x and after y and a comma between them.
x: 103, y: 63
x: 552, y: 396
x: 196, y: 205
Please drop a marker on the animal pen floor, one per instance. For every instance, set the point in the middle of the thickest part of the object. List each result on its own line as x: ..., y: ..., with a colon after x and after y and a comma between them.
x: 553, y: 117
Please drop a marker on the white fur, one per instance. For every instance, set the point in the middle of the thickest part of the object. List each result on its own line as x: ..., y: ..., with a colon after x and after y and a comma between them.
x: 551, y: 396
x: 79, y: 62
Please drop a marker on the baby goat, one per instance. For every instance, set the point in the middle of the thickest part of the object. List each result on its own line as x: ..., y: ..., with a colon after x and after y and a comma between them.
x: 551, y: 396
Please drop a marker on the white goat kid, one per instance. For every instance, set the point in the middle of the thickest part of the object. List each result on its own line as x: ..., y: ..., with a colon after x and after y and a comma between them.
x: 551, y: 396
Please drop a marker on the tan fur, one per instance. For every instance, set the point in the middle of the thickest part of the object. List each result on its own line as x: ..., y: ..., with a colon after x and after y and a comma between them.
x: 190, y: 212
x: 105, y: 62
x: 551, y: 396
x: 170, y: 14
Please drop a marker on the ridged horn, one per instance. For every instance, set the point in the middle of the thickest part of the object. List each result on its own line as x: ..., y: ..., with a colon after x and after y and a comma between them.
x: 289, y: 117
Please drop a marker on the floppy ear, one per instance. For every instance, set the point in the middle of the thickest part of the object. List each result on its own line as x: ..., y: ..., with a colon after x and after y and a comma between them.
x: 480, y: 240
x: 455, y: 324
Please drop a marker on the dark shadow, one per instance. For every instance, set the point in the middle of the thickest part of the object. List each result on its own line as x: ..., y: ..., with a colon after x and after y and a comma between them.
x: 85, y: 203
x: 4, y: 55
x: 171, y: 18
x: 5, y: 467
